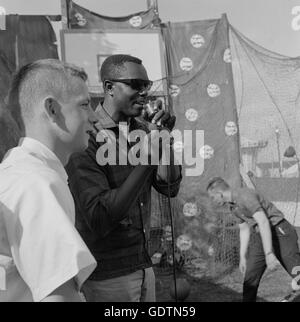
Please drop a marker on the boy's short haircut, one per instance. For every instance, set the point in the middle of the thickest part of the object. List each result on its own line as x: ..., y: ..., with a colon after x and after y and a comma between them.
x: 217, y: 183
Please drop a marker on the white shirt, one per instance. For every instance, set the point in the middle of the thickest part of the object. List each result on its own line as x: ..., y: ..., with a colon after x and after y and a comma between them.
x: 37, y: 232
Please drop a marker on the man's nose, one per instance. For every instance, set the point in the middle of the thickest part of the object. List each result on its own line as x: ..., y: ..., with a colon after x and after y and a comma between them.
x: 143, y: 92
x: 93, y: 118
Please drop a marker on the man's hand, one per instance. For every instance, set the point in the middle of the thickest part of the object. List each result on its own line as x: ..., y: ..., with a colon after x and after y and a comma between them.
x: 157, y: 116
x: 271, y: 261
x: 243, y: 265
x: 160, y: 125
x: 162, y: 120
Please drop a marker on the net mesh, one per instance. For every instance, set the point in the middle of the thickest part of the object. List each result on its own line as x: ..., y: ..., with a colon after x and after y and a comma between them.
x: 267, y: 95
x: 206, y: 241
x: 267, y: 88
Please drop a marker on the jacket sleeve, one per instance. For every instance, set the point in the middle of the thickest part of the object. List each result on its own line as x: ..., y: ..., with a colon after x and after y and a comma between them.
x: 163, y: 187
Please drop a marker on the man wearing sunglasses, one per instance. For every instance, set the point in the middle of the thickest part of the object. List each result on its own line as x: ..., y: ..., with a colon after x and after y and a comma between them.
x: 113, y: 202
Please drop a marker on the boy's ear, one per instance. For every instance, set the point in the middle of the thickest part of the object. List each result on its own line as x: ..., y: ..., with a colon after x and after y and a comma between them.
x: 52, y: 108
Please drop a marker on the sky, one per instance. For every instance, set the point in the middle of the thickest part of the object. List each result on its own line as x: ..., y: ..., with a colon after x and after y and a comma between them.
x: 273, y: 24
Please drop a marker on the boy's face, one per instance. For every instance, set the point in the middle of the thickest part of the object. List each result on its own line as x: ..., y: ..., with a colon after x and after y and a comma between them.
x: 78, y: 117
x: 217, y: 197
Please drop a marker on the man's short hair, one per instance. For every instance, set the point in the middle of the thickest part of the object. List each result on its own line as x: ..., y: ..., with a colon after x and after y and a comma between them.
x: 41, y: 78
x: 217, y: 183
x: 113, y: 65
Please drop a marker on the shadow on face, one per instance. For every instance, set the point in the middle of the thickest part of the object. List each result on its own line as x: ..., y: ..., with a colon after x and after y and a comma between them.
x: 128, y: 97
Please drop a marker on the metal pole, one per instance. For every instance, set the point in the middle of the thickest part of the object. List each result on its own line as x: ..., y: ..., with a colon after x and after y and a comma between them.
x: 152, y: 4
x: 17, y: 57
x: 65, y: 5
x: 173, y: 237
x: 2, y: 18
x: 278, y: 151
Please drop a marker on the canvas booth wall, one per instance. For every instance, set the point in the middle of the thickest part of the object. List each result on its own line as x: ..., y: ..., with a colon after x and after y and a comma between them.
x: 202, y: 96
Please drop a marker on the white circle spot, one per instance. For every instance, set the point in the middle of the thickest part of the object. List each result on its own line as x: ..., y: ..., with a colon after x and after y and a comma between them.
x: 184, y: 242
x: 197, y: 41
x: 81, y: 21
x: 190, y: 209
x: 227, y: 56
x: 186, y: 64
x: 135, y: 21
x: 191, y: 114
x: 213, y: 90
x: 231, y: 128
x: 174, y: 90
x: 206, y: 152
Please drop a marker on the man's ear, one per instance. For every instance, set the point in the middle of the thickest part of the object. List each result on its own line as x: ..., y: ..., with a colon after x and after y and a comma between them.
x: 52, y: 108
x: 108, y: 87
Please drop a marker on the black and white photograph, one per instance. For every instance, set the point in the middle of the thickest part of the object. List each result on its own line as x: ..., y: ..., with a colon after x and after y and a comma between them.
x: 150, y: 152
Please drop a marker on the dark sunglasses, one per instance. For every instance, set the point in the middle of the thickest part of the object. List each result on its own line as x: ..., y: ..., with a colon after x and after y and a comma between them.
x: 140, y: 85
